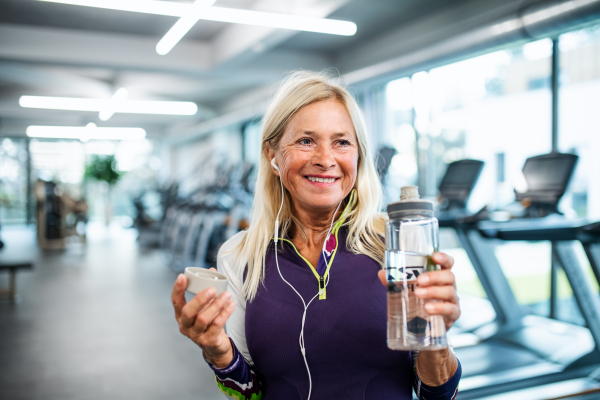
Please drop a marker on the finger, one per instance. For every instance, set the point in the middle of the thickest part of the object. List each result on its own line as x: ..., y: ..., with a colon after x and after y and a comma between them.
x: 449, y: 311
x: 197, y: 304
x: 216, y: 326
x: 443, y: 293
x: 443, y: 260
x: 382, y: 277
x: 178, y: 295
x: 436, y: 278
x: 213, y: 269
x: 205, y: 318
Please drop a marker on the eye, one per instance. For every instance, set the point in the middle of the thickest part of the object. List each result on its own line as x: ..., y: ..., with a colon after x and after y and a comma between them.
x: 344, y: 142
x: 305, y: 141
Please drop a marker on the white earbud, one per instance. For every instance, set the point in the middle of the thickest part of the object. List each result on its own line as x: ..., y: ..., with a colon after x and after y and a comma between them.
x: 273, y: 164
x: 276, y: 233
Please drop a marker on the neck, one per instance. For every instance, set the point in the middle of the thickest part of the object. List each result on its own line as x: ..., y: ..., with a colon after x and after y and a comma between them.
x: 316, y: 225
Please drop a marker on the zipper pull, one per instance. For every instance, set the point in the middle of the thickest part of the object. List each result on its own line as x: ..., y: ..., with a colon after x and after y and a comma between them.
x: 322, y: 288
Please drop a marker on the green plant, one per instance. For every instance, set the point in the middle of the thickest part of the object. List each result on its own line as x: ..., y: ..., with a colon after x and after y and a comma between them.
x: 103, y: 169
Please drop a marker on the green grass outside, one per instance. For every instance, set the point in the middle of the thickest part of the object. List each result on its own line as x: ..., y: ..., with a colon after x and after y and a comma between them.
x: 530, y: 289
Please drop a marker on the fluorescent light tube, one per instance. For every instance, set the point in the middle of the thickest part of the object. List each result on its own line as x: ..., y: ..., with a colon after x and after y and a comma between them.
x: 180, y: 28
x: 119, y: 97
x: 62, y: 103
x: 221, y: 14
x: 158, y: 107
x: 283, y: 21
x: 173, y: 9
x: 98, y: 105
x: 85, y: 133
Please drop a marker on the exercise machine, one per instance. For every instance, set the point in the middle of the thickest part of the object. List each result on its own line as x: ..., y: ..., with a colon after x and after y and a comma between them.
x: 519, y: 350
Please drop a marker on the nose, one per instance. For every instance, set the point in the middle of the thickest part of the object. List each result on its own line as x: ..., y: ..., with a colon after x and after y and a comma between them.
x: 323, y: 157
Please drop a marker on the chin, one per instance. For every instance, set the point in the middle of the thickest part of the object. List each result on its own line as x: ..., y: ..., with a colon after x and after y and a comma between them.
x: 323, y: 204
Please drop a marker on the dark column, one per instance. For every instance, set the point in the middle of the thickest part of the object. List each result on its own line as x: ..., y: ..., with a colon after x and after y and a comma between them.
x: 555, y: 88
x: 29, y: 191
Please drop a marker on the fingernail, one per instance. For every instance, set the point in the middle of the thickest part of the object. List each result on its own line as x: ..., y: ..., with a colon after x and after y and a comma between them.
x: 421, y: 292
x: 429, y: 307
x: 226, y: 296
x: 423, y: 279
x: 179, y: 278
x: 211, y: 292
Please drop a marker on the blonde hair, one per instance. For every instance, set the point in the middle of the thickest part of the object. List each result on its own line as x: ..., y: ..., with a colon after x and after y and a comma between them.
x: 365, y: 223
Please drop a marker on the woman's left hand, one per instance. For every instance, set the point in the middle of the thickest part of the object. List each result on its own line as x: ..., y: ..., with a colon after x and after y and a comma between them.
x: 439, y: 286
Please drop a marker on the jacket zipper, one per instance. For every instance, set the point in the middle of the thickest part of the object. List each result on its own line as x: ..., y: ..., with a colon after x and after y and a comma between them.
x: 320, y: 278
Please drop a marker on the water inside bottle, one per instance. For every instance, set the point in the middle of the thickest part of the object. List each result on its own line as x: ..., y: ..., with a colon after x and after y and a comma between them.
x: 410, y: 327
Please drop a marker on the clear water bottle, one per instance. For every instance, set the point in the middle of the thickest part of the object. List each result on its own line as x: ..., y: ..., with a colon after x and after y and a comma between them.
x: 411, y: 238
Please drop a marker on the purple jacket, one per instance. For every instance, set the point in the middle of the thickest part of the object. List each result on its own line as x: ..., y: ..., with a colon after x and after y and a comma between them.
x: 345, y: 334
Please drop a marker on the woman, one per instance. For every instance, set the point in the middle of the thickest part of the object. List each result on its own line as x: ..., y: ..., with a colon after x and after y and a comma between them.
x: 306, y: 309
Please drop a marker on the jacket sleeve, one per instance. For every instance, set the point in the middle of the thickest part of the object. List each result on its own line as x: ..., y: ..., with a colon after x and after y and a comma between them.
x: 238, y: 380
x: 447, y: 391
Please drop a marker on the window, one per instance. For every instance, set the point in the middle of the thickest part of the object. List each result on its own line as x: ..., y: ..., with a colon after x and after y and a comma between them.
x: 497, y: 108
x: 13, y: 181
x: 579, y: 120
x: 63, y: 161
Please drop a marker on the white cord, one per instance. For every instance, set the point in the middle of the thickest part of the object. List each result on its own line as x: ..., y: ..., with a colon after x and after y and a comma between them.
x: 301, y: 339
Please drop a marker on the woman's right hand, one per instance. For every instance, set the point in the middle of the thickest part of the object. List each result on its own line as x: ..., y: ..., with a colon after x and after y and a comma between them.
x: 202, y: 320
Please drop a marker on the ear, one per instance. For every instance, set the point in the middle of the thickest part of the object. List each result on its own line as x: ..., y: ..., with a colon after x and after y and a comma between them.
x: 271, y: 157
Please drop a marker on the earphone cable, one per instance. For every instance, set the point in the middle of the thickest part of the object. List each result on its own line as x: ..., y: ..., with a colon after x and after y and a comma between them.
x: 276, y: 236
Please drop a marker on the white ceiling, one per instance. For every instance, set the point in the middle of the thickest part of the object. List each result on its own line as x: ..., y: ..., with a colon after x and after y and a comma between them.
x: 63, y: 50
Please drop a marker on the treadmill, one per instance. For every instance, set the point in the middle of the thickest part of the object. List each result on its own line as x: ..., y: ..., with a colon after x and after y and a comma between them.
x: 455, y: 189
x: 518, y: 350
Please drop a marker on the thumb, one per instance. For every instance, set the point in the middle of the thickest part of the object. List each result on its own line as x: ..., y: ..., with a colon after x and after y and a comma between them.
x: 382, y: 277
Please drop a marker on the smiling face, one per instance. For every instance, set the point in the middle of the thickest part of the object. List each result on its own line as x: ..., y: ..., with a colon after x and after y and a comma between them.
x: 318, y: 156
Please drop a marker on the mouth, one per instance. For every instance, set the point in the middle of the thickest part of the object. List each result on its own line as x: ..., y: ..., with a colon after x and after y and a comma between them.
x: 321, y: 179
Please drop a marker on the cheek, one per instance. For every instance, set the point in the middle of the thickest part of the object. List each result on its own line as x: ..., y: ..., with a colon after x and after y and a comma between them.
x: 350, y: 166
x: 288, y: 160
x: 291, y: 162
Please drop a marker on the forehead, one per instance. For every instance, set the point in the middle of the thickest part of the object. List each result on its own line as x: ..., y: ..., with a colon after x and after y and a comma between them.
x: 322, y: 117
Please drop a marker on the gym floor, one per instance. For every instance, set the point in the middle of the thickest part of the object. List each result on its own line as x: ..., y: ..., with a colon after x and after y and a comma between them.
x: 95, y: 322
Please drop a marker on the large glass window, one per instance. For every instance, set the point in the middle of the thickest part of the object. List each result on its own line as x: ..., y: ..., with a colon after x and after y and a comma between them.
x: 64, y: 161
x: 252, y: 142
x: 401, y: 135
x: 494, y: 108
x: 579, y: 133
x: 13, y: 181
x: 579, y: 120
x: 497, y: 108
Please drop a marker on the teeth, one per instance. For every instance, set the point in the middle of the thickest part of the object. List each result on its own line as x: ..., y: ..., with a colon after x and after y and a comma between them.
x: 322, y: 180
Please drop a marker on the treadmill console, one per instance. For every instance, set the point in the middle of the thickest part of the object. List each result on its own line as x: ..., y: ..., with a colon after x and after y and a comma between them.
x: 458, y: 183
x: 547, y: 178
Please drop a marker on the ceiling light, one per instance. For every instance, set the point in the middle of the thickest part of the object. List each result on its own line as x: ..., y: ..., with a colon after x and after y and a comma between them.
x: 220, y: 14
x: 283, y: 21
x: 119, y: 97
x: 98, y: 105
x: 180, y: 28
x: 173, y: 9
x: 89, y: 132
